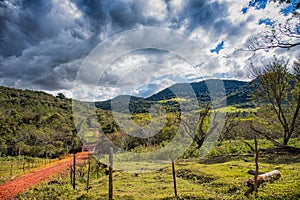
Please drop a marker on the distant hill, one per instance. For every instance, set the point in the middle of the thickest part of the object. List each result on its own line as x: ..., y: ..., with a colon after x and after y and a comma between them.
x: 242, y: 96
x: 237, y: 92
x: 200, y: 89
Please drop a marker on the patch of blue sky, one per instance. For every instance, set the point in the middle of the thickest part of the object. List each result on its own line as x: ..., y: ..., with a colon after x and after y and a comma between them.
x: 295, y: 2
x: 266, y: 21
x: 261, y: 4
x: 258, y: 4
x: 219, y: 47
x: 287, y: 10
x: 290, y: 7
x: 244, y: 10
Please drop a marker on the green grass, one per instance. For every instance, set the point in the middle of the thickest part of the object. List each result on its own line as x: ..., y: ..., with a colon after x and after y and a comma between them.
x: 233, y: 109
x: 211, y: 178
x: 173, y: 99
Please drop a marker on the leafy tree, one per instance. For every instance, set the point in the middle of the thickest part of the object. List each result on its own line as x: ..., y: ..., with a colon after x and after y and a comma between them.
x: 280, y: 88
x: 61, y: 96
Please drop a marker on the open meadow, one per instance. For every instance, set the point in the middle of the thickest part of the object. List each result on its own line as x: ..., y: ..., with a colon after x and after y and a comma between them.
x: 215, y: 177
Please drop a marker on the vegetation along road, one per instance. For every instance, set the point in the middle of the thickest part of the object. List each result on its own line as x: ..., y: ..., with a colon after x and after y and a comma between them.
x: 13, y: 187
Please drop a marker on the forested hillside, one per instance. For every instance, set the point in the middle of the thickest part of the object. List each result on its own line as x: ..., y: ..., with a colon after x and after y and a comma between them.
x: 36, y: 124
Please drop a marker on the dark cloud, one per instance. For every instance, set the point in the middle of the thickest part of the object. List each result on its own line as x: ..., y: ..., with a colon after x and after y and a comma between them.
x: 201, y: 13
x: 94, y: 13
x: 125, y: 15
x: 23, y: 24
x: 36, y: 38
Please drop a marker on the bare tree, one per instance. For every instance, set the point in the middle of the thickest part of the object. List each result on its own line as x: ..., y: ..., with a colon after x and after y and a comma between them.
x: 280, y: 35
x: 279, y: 87
x: 232, y: 121
x: 206, y: 125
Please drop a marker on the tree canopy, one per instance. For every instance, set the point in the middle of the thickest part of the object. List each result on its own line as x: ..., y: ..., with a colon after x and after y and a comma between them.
x: 278, y: 86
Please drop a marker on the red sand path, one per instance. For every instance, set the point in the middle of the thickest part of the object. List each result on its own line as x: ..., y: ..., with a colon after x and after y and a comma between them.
x: 15, y: 186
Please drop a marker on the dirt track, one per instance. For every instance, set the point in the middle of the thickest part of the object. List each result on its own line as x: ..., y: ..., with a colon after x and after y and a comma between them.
x: 15, y: 186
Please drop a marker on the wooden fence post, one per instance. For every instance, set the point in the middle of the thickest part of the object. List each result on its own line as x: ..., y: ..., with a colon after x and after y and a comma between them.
x: 110, y: 183
x: 23, y: 166
x: 256, y: 165
x: 174, y: 178
x: 11, y: 169
x: 71, y: 174
x: 74, y: 170
x: 88, y: 175
x: 19, y: 156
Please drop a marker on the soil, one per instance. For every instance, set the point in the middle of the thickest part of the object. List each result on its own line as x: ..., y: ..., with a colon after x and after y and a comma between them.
x: 10, y: 189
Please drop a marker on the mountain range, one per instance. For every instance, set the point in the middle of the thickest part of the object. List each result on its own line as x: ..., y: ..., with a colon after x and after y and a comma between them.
x: 237, y: 93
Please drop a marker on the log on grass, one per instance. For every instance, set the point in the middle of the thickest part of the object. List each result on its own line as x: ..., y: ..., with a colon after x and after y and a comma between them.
x: 273, y: 175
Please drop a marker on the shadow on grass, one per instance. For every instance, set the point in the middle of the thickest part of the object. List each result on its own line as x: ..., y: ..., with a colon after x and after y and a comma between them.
x: 104, y: 197
x: 183, y: 198
x: 226, y: 158
x: 270, y: 158
x: 280, y: 158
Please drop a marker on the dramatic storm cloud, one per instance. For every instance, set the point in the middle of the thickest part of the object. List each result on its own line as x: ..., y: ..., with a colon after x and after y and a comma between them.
x: 44, y: 43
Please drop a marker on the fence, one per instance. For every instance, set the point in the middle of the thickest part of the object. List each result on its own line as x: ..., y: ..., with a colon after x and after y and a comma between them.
x: 11, y: 167
x: 81, y: 172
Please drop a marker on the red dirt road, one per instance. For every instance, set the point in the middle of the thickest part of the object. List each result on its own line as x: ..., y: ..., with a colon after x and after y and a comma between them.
x: 15, y: 186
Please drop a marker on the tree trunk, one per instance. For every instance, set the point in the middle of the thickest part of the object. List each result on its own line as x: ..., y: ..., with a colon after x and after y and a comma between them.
x: 174, y: 178
x: 88, y: 175
x: 286, y: 138
x: 256, y: 165
x: 74, y: 171
x: 19, y: 156
x: 110, y: 181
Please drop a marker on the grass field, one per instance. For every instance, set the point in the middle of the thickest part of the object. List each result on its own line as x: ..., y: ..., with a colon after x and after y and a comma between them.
x: 218, y: 177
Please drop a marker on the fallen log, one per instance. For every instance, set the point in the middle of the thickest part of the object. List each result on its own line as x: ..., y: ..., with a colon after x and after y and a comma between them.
x: 273, y: 175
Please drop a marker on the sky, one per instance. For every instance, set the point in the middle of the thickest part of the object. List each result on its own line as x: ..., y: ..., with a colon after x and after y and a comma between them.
x: 96, y: 50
